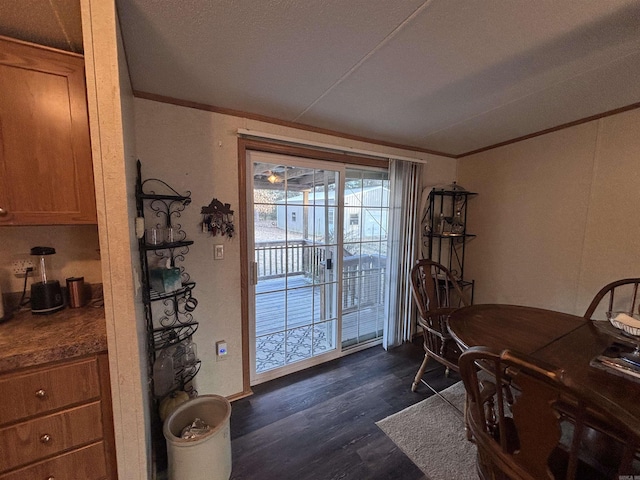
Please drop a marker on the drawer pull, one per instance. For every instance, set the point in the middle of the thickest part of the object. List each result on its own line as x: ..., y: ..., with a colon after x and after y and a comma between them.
x: 46, y: 438
x: 41, y: 393
x: 51, y: 478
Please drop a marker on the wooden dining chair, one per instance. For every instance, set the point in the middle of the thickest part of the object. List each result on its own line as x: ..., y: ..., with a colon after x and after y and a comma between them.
x: 437, y: 294
x: 618, y: 296
x: 549, y: 429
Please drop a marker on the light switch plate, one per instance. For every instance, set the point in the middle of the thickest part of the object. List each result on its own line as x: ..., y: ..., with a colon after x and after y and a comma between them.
x: 218, y: 252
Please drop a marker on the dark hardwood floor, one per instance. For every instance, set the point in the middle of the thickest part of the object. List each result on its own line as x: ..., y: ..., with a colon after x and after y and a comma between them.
x: 320, y: 423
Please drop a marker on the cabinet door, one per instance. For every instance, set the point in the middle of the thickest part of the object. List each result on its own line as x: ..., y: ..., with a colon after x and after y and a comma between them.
x: 46, y: 172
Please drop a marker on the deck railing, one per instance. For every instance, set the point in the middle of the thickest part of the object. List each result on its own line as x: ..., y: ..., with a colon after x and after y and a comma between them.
x: 298, y: 257
x: 363, y: 276
x: 363, y: 279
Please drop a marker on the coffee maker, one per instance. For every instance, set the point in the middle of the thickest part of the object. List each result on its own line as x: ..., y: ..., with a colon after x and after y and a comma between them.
x: 46, y: 293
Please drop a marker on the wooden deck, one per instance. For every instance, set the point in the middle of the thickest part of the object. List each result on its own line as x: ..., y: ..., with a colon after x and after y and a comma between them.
x: 300, y: 305
x: 303, y: 308
x: 290, y: 326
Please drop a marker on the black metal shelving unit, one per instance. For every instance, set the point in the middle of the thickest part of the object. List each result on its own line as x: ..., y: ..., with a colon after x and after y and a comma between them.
x: 444, y: 227
x: 168, y: 322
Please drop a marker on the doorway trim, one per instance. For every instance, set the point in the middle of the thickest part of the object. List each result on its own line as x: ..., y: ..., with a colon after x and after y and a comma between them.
x: 245, y: 144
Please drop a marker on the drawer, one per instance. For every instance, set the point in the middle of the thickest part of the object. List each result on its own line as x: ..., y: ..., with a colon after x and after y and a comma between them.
x: 87, y: 463
x: 33, y: 440
x: 43, y: 390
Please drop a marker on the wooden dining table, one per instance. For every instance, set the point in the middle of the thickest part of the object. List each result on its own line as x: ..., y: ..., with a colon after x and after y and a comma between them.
x: 564, y: 341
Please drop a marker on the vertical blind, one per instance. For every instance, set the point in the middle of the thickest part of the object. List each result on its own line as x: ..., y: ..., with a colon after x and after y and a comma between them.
x: 402, y: 251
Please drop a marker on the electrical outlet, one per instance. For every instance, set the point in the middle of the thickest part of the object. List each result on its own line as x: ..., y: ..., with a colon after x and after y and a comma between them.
x: 221, y: 350
x: 19, y: 267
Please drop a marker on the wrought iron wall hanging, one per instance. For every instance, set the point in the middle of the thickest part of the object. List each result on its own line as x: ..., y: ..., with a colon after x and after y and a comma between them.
x: 217, y: 219
x: 167, y: 291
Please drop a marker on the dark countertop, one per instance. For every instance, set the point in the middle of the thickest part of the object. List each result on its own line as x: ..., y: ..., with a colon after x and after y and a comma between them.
x: 27, y: 340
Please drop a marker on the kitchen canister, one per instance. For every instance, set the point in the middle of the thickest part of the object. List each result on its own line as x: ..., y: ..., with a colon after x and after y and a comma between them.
x: 75, y: 289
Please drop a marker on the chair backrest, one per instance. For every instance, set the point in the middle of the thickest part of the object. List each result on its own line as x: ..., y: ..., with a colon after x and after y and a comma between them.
x: 618, y: 296
x: 437, y: 295
x: 540, y: 425
x: 434, y: 287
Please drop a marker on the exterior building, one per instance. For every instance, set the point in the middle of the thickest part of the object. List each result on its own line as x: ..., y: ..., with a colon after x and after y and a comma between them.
x: 365, y: 213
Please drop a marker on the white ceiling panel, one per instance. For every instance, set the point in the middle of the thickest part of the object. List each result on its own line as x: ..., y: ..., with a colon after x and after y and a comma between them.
x: 451, y: 76
x: 54, y: 23
x: 559, y: 104
x: 474, y: 61
x: 267, y: 57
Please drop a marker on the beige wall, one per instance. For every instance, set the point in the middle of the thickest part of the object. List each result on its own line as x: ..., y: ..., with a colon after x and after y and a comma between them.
x: 196, y: 151
x: 556, y: 216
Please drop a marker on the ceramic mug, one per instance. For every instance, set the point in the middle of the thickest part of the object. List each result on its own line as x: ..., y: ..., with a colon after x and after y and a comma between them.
x: 190, y: 304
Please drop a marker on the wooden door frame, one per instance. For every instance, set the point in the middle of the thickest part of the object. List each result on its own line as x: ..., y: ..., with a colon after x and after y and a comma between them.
x: 245, y: 144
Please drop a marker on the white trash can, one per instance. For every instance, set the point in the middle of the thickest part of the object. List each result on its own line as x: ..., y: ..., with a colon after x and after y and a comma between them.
x: 207, y: 456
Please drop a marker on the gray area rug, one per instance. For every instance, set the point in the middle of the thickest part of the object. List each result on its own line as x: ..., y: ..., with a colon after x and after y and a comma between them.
x: 431, y: 433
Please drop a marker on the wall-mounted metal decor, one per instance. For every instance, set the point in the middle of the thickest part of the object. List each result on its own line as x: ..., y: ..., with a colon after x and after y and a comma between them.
x: 217, y: 219
x: 167, y: 287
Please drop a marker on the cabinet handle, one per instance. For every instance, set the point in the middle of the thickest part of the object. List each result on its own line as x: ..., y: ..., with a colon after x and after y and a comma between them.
x: 3, y: 212
x: 51, y: 478
x: 46, y: 438
x: 41, y: 393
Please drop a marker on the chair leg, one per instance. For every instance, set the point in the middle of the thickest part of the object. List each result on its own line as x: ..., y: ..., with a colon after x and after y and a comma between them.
x: 467, y: 428
x: 423, y: 366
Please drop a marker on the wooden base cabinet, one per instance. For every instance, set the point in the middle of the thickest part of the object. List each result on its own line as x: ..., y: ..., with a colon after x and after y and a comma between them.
x: 85, y: 463
x: 46, y: 170
x: 56, y: 422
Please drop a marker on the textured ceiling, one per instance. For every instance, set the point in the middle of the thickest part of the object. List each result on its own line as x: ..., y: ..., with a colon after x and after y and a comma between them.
x: 54, y: 23
x: 451, y: 76
x: 444, y: 75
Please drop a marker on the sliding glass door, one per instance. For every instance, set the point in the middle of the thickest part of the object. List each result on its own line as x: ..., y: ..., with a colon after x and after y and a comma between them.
x: 366, y: 213
x: 318, y: 248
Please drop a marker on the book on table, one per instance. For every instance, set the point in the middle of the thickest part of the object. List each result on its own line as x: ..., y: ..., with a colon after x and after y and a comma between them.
x: 619, y: 359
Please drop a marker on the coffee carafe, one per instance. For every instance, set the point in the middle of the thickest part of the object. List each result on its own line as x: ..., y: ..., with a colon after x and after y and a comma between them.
x: 46, y: 293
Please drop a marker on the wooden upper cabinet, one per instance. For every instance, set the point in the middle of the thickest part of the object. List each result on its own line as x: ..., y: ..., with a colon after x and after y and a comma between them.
x: 46, y: 171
